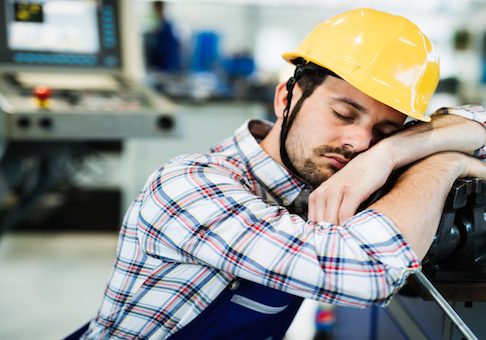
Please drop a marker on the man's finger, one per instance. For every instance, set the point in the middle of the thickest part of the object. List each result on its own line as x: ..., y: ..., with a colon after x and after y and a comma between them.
x: 349, y: 205
x: 311, y: 211
x: 332, y: 208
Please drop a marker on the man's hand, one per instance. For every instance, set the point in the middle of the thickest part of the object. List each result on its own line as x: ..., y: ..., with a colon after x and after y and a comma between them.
x: 338, y: 198
x: 474, y: 168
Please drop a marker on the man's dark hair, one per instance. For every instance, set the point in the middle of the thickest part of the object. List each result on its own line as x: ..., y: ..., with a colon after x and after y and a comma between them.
x: 311, y: 77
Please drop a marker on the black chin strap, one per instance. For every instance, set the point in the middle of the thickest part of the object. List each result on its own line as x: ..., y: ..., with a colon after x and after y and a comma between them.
x: 288, y: 119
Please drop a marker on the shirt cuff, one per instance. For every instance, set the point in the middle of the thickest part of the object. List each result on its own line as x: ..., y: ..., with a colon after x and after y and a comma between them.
x: 383, y: 242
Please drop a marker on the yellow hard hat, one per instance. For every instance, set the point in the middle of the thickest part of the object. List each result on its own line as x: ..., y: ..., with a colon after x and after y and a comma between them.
x: 383, y: 55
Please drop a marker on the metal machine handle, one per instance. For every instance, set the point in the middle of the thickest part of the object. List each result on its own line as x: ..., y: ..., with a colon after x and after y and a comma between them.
x: 451, y: 313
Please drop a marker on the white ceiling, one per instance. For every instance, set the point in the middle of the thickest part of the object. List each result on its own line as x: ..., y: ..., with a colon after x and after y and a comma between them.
x: 417, y: 6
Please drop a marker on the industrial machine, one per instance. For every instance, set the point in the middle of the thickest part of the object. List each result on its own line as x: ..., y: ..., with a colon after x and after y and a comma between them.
x: 62, y: 75
x: 69, y: 89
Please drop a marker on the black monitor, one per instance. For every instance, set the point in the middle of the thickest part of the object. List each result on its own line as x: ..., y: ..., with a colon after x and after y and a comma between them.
x: 60, y: 33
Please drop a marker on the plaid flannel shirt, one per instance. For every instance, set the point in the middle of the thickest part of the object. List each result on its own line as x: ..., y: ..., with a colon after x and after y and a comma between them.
x: 204, y: 219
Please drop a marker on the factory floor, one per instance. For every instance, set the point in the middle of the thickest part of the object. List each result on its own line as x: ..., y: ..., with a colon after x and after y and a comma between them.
x: 50, y: 284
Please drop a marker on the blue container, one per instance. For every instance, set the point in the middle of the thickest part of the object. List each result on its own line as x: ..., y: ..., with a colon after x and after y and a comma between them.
x: 206, y: 51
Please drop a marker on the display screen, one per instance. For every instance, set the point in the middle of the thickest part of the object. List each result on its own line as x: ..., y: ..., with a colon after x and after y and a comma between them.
x: 72, y: 33
x: 55, y: 25
x: 29, y: 12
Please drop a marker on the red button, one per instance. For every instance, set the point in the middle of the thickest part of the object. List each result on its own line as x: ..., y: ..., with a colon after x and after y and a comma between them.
x: 42, y: 92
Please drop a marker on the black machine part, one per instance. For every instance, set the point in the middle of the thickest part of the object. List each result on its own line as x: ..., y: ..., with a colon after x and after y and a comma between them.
x: 459, y: 247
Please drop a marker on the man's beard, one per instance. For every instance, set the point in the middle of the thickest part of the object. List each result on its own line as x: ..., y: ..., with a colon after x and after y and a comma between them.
x: 312, y: 173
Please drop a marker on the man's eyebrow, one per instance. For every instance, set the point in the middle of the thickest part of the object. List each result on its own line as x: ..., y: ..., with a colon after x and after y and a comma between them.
x: 351, y: 102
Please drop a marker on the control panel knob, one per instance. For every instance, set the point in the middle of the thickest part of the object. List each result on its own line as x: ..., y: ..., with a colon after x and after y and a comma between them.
x: 42, y: 95
x: 165, y: 122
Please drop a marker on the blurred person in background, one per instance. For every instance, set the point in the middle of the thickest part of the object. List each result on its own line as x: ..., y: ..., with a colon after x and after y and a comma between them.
x: 162, y: 46
x: 226, y: 245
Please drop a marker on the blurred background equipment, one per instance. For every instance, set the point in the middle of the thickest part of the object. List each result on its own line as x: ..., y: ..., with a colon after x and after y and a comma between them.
x: 66, y: 95
x: 61, y: 75
x: 194, y: 63
x: 325, y: 319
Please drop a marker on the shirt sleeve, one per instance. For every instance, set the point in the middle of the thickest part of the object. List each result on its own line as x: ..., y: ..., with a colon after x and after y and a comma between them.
x: 471, y: 112
x: 207, y: 215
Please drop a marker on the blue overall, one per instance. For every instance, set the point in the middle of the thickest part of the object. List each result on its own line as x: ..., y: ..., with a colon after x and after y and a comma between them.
x: 244, y: 310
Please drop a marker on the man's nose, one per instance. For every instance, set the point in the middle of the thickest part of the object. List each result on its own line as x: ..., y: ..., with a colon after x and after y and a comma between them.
x: 358, y: 139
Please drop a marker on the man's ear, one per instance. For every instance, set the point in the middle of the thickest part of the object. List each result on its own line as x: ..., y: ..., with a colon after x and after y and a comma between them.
x: 280, y: 99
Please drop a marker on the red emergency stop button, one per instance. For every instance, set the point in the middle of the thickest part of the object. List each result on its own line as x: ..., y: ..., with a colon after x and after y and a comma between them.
x: 42, y: 95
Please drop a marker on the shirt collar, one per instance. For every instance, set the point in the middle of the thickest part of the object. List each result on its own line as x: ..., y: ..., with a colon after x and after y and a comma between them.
x: 272, y: 176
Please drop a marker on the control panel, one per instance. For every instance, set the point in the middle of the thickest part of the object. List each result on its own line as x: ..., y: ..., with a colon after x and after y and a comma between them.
x: 72, y: 106
x: 63, y: 77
